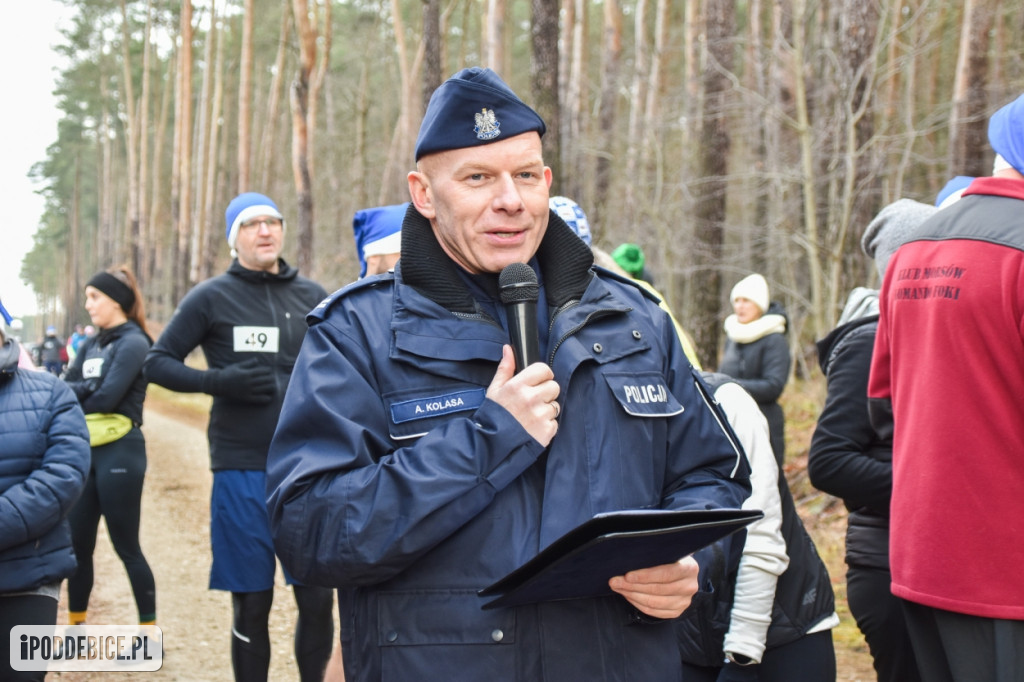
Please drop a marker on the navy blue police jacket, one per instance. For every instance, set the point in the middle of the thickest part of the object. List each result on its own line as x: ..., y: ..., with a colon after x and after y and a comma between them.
x: 393, y: 478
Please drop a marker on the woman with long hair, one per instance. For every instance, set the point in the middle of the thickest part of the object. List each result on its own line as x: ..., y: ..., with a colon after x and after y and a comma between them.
x: 107, y: 378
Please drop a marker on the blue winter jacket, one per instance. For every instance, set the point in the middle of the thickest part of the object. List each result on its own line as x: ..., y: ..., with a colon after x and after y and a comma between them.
x: 44, y: 459
x: 392, y: 477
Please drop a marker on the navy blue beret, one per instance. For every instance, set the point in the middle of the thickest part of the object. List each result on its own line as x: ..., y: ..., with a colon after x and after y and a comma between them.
x: 472, y: 108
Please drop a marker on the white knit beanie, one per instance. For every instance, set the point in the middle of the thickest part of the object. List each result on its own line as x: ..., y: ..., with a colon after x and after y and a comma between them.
x: 753, y: 287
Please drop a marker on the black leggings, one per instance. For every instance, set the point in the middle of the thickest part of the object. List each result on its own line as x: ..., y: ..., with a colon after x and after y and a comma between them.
x: 250, y: 636
x: 113, y: 490
x: 26, y: 609
x: 811, y: 658
x: 879, y: 615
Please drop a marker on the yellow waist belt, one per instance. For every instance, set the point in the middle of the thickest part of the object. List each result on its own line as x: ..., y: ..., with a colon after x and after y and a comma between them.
x: 106, y: 428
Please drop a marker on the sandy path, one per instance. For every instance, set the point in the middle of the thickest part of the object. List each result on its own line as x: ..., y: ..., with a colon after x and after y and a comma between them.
x: 195, y: 621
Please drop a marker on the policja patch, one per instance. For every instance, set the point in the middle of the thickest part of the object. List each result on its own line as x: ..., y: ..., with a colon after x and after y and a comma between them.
x: 644, y: 395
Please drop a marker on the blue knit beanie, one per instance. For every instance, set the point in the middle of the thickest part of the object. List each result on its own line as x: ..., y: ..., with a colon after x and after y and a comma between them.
x: 472, y: 108
x: 569, y: 211
x: 1006, y: 133
x: 952, y: 190
x: 378, y: 231
x: 245, y: 206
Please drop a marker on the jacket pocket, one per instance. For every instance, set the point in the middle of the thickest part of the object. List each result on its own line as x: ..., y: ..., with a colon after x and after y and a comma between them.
x: 643, y: 394
x: 444, y: 631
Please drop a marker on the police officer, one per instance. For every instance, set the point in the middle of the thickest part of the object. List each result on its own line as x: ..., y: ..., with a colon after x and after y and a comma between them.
x: 413, y: 466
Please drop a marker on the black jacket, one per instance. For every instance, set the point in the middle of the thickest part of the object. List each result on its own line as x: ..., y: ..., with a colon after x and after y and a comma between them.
x: 106, y: 375
x: 848, y: 458
x: 761, y: 367
x: 803, y: 593
x: 237, y: 316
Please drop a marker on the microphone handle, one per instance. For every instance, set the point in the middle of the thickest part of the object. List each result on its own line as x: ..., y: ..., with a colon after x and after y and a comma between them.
x: 522, y: 332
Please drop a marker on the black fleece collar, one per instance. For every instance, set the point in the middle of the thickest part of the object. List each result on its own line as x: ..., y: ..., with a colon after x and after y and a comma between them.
x: 285, y: 272
x: 563, y: 258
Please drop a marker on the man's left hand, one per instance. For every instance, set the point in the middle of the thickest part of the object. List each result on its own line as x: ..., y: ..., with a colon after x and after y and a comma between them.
x: 660, y: 591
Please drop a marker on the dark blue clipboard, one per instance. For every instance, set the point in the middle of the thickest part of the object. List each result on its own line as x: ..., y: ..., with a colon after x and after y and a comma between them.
x: 580, y: 563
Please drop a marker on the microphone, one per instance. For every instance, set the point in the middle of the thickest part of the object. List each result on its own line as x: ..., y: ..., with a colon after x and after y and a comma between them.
x: 519, y: 292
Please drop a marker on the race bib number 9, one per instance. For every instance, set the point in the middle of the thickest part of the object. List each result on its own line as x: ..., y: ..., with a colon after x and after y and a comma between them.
x: 256, y: 339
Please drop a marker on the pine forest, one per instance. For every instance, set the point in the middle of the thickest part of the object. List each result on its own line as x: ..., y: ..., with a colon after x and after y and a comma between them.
x: 722, y: 136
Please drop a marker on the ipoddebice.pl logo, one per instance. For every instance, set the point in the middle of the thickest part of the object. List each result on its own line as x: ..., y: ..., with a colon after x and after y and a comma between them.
x: 107, y: 648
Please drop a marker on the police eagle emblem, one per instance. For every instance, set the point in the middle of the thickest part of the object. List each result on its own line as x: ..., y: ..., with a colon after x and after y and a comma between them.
x: 487, y: 127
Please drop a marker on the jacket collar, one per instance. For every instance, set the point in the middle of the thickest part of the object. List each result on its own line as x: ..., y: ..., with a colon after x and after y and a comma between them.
x: 9, y: 354
x: 285, y: 272
x: 106, y: 336
x: 564, y: 261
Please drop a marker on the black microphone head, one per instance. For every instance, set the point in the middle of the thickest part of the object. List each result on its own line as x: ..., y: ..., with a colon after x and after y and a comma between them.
x: 518, y: 284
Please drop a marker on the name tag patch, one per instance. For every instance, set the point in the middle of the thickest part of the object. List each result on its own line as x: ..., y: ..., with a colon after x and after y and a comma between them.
x: 256, y: 339
x: 433, y: 406
x: 92, y: 368
x: 644, y: 394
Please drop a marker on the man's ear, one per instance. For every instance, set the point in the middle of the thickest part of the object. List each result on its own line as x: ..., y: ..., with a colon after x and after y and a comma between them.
x: 419, y: 191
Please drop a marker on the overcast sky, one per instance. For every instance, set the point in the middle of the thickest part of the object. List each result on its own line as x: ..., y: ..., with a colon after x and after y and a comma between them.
x: 28, y: 123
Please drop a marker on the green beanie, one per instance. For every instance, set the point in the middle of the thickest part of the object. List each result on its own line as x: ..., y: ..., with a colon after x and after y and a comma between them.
x: 630, y: 258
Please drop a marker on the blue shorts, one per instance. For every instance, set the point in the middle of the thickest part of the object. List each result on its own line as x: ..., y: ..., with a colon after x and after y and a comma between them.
x: 243, y: 553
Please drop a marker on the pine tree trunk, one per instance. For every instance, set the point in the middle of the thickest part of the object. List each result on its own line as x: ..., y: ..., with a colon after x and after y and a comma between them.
x: 300, y: 97
x: 711, y: 195
x: 611, y: 68
x: 968, y: 125
x: 132, y: 125
x: 544, y: 80
x: 245, y: 98
x: 183, y: 136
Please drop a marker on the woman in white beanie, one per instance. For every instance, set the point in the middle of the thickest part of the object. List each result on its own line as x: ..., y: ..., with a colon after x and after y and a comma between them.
x: 757, y: 353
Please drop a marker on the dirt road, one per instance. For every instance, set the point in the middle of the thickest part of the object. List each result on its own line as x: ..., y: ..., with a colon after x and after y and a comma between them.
x: 196, y: 621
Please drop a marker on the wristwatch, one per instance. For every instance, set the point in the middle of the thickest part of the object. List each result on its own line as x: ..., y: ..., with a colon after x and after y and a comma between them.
x: 739, y: 659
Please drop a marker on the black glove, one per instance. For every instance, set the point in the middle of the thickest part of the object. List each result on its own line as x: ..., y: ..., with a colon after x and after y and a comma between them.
x: 738, y: 673
x: 248, y: 382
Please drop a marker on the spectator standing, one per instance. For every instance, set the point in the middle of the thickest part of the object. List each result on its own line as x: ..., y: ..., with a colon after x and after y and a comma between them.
x: 50, y: 352
x: 250, y: 322
x: 107, y: 379
x: 378, y: 235
x: 771, y: 619
x: 43, y: 464
x: 412, y: 466
x: 573, y: 216
x: 74, y: 341
x: 630, y: 257
x: 851, y: 460
x: 947, y: 373
x: 757, y: 353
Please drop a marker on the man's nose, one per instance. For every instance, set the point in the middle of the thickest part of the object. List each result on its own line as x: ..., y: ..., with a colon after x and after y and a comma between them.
x: 508, y: 197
